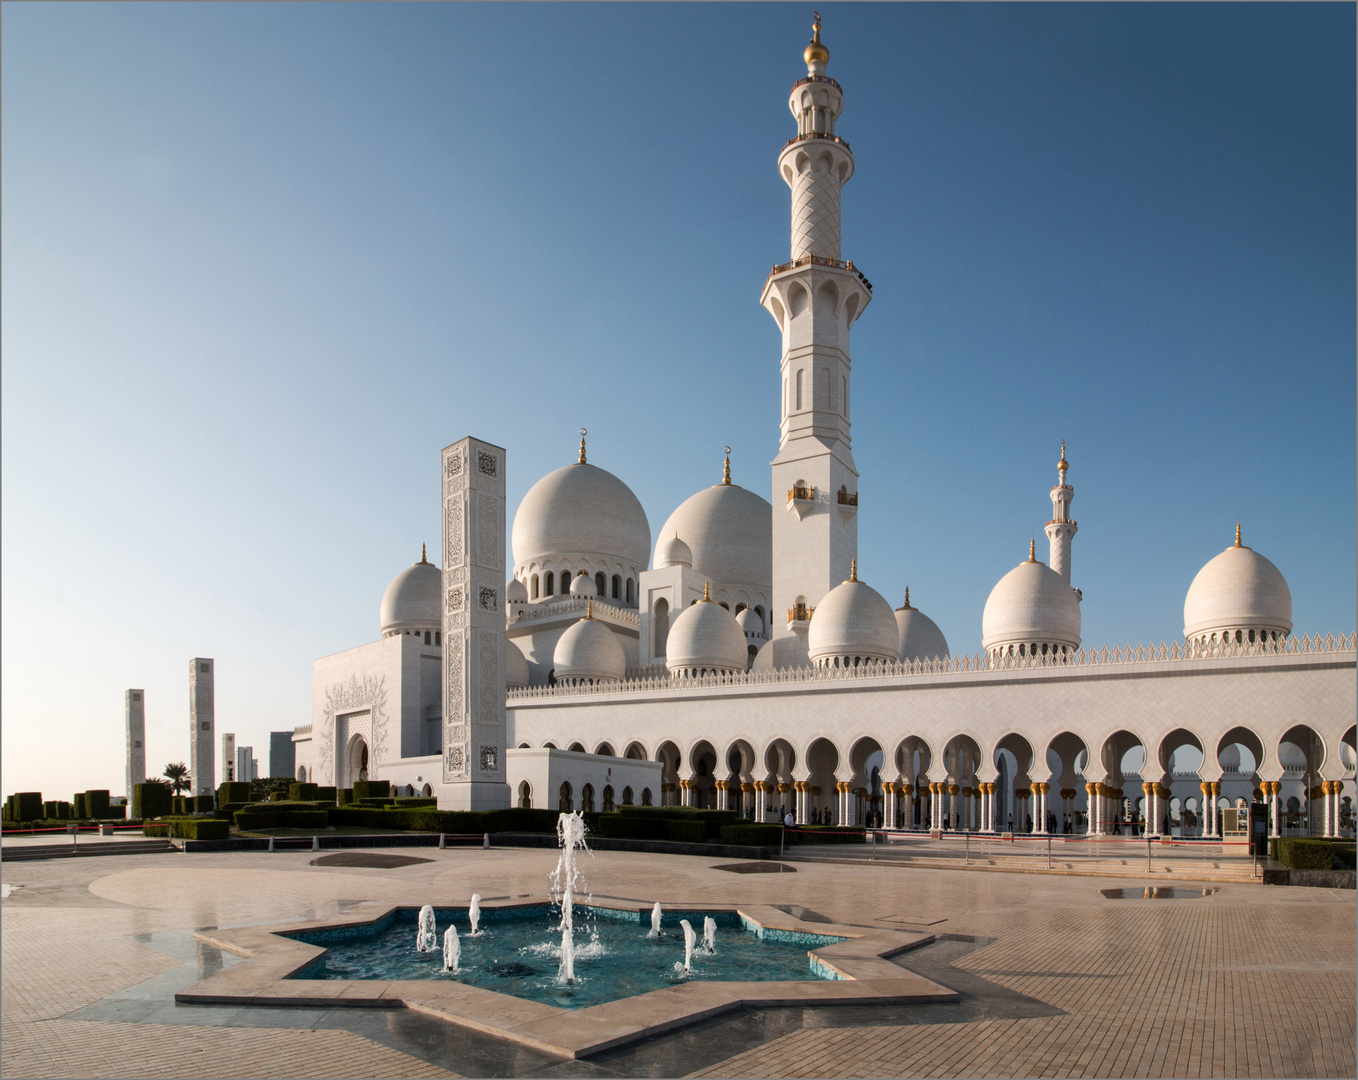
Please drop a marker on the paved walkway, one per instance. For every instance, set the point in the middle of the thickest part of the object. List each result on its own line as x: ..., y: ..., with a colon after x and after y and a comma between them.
x: 1250, y: 981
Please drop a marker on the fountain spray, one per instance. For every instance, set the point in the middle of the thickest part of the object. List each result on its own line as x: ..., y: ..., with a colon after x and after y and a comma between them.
x: 474, y: 913
x: 426, y: 939
x: 709, y: 934
x: 452, y: 950
x: 570, y: 831
x: 655, y: 921
x: 688, y: 945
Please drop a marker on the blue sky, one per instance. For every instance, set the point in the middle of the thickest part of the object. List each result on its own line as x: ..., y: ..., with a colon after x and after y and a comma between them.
x: 260, y: 263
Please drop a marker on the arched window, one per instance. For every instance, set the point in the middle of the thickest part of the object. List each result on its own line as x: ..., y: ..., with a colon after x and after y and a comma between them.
x: 645, y: 796
x: 617, y: 587
x: 549, y: 583
x: 535, y: 586
x: 301, y: 774
x: 587, y: 798
x: 608, y: 799
x: 438, y: 638
x: 601, y: 584
x: 526, y: 795
x: 661, y: 625
x: 799, y: 391
x: 410, y: 790
x: 564, y: 802
x: 428, y: 638
x: 631, y: 595
x: 627, y: 796
x: 426, y: 791
x: 565, y: 582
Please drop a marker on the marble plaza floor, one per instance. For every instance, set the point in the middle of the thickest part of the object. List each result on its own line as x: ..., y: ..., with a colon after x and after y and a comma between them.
x: 1054, y: 978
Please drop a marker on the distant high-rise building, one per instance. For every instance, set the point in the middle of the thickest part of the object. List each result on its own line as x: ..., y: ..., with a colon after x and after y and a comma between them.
x: 247, y: 768
x: 202, y: 769
x: 282, y: 759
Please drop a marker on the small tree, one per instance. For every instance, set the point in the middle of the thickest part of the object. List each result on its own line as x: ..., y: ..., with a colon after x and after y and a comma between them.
x: 178, y: 775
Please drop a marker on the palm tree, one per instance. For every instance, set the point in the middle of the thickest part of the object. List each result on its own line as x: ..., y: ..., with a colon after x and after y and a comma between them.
x: 178, y: 774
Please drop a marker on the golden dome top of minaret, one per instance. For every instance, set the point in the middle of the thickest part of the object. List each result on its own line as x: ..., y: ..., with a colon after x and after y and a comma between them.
x: 816, y: 51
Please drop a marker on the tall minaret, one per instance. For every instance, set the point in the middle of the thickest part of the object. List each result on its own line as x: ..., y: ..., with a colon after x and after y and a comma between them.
x: 814, y: 298
x: 1060, y: 529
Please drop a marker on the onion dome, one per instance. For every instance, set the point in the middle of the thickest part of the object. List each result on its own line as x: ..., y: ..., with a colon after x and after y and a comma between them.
x: 583, y: 585
x: 729, y: 532
x: 413, y: 599
x: 516, y: 591
x: 918, y: 636
x: 1238, y: 596
x: 816, y: 53
x: 516, y: 666
x: 673, y: 552
x: 1031, y: 610
x: 751, y: 625
x: 705, y: 639
x: 583, y: 511
x: 851, y: 626
x: 589, y: 652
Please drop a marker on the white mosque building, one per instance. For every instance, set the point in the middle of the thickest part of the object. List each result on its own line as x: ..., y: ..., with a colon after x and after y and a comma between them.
x: 735, y: 659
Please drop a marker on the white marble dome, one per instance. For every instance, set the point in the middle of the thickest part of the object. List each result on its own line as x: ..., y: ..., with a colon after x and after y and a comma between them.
x: 589, y: 652
x: 763, y: 659
x: 751, y: 625
x: 1031, y: 609
x: 583, y: 585
x: 413, y: 600
x: 1238, y: 595
x: 580, y: 510
x: 705, y: 639
x: 852, y: 625
x: 516, y: 666
x: 918, y: 636
x: 516, y: 591
x: 673, y: 552
x: 729, y: 532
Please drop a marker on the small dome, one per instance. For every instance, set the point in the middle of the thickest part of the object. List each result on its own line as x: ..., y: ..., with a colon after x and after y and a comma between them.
x: 853, y: 624
x: 673, y: 552
x: 729, y: 533
x: 751, y: 625
x: 589, y: 652
x: 583, y: 585
x: 581, y: 510
x: 918, y: 636
x: 516, y: 591
x: 413, y: 600
x: 1238, y: 593
x: 763, y: 659
x: 705, y: 639
x: 516, y: 666
x: 1031, y: 605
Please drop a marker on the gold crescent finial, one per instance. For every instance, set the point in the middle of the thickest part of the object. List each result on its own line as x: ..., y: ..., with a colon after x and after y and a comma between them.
x: 1032, y: 550
x: 853, y: 570
x: 816, y: 51
x: 1063, y: 464
x: 424, y: 558
x: 726, y: 469
x: 1237, y: 535
x: 707, y: 592
x: 583, y: 433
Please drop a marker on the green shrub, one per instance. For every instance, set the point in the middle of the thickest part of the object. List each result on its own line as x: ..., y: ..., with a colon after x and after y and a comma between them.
x: 827, y: 834
x: 189, y: 829
x: 156, y: 830
x: 326, y: 794
x: 687, y: 832
x: 633, y: 827
x: 28, y: 805
x: 412, y: 802
x: 285, y: 815
x: 233, y: 792
x: 1344, y: 855
x: 49, y: 809
x: 203, y: 804
x: 344, y: 796
x: 299, y: 792
x: 150, y: 800
x: 96, y: 803
x: 64, y: 810
x: 1303, y: 854
x: 372, y: 789
x: 751, y: 834
x: 78, y: 806
x: 712, y: 820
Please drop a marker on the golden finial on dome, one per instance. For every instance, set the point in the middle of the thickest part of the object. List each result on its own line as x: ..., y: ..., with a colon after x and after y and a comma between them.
x: 707, y: 591
x: 726, y: 469
x: 853, y: 570
x: 1063, y: 464
x: 583, y: 433
x: 907, y: 596
x: 424, y: 558
x: 1032, y: 550
x: 815, y: 51
x: 589, y: 608
x: 1237, y: 535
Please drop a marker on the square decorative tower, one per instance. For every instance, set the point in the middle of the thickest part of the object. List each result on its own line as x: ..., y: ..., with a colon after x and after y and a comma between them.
x: 229, y: 757
x: 134, y: 710
x: 474, y: 727
x: 202, y: 767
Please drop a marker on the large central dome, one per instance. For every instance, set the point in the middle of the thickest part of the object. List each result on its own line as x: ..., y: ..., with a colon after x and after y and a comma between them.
x: 730, y: 533
x: 581, y: 510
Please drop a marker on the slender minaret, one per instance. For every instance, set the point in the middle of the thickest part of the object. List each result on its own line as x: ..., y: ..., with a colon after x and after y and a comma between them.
x: 1061, y: 529
x: 814, y: 298
x: 134, y: 713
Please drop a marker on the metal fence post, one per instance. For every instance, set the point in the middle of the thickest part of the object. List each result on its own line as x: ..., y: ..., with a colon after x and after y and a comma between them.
x: 1148, y: 853
x: 966, y: 857
x: 1049, y: 851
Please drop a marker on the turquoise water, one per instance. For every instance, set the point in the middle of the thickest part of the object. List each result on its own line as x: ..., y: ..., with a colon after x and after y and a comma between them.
x: 518, y: 952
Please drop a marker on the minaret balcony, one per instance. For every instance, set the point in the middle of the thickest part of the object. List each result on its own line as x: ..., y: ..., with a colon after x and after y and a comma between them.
x: 817, y: 135
x: 846, y: 503
x: 817, y: 79
x: 818, y: 260
x: 799, y: 493
x: 799, y: 616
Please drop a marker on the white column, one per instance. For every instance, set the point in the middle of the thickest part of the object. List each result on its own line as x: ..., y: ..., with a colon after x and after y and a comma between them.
x: 985, y: 807
x: 1094, y: 823
x: 760, y: 804
x: 889, y: 805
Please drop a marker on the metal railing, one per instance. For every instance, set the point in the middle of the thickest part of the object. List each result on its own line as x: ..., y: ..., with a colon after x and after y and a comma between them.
x: 821, y: 260
x: 806, y: 494
x: 800, y: 613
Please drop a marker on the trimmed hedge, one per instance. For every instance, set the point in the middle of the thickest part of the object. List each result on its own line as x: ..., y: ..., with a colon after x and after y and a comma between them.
x: 712, y: 820
x: 371, y: 789
x: 431, y: 819
x: 233, y: 792
x: 326, y: 794
x: 413, y: 802
x: 688, y: 832
x: 827, y: 834
x: 150, y: 800
x: 344, y: 796
x: 300, y: 792
x: 96, y: 803
x: 254, y: 818
x: 1303, y: 854
x: 629, y: 827
x: 27, y: 805
x: 190, y: 829
x: 751, y: 834
x: 78, y: 806
x: 49, y: 810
